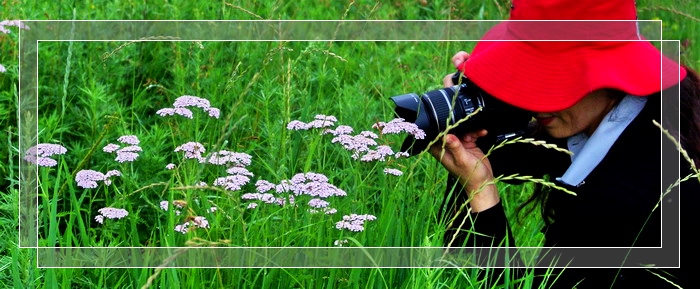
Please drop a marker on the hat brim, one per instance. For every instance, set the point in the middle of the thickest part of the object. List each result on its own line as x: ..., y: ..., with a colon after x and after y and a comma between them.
x: 523, y: 74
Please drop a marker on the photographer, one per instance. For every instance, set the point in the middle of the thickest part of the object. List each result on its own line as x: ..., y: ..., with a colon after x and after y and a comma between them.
x: 598, y: 99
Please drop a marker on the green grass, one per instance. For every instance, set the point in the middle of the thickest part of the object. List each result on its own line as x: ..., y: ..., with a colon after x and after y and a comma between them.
x: 87, y: 101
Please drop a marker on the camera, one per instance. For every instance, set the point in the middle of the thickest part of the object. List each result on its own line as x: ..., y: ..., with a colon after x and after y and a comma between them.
x: 473, y: 108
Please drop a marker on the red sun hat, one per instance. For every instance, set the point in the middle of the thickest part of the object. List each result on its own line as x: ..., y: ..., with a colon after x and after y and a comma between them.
x: 572, y: 48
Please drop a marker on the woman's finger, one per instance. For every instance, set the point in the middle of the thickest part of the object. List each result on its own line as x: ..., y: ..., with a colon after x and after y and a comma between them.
x: 459, y: 58
x: 457, y: 152
x: 447, y: 80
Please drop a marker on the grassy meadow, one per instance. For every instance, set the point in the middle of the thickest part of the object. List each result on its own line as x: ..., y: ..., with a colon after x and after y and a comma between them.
x: 239, y: 144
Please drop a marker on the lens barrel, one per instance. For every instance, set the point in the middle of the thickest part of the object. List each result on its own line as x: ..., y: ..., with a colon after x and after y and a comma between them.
x: 438, y: 109
x: 440, y: 104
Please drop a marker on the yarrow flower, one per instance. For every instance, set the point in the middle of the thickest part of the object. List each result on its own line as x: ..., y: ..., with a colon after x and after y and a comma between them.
x: 110, y: 174
x: 192, y: 222
x: 189, y: 100
x: 182, y: 228
x: 320, y: 121
x: 110, y: 148
x: 88, y: 178
x: 3, y: 29
x: 399, y: 125
x: 41, y: 153
x: 129, y: 152
x: 110, y: 213
x: 314, y: 185
x: 192, y: 150
x: 354, y: 222
x: 263, y: 186
x: 267, y: 198
x: 310, y: 184
x: 401, y: 154
x: 201, y: 222
x: 129, y: 139
x: 170, y: 166
x: 229, y: 159
x: 339, y: 243
x: 369, y: 134
x: 173, y: 111
x: 340, y: 130
x: 297, y: 125
x: 239, y: 171
x: 395, y: 172
x: 213, y: 112
x: 9, y: 23
x: 327, y: 211
x: 232, y: 182
x: 126, y: 156
x: 318, y: 203
x: 356, y: 144
x: 181, y: 104
x: 165, y: 205
x: 378, y: 154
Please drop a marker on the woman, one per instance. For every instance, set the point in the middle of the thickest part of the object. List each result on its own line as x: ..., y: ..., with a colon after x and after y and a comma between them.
x: 598, y: 99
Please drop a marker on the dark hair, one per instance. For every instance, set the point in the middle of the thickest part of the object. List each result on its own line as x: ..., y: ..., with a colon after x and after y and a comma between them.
x: 690, y: 116
x: 688, y: 135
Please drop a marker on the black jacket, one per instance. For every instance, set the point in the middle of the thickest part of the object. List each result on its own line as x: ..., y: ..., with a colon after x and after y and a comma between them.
x: 615, y: 203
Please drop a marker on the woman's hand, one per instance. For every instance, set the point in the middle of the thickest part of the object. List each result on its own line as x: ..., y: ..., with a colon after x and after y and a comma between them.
x: 465, y: 160
x: 457, y: 61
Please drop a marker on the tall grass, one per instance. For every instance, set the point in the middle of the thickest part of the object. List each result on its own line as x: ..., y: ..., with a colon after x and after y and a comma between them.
x: 92, y: 93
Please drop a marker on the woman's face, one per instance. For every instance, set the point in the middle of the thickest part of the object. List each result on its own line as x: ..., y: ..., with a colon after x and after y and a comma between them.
x: 584, y: 116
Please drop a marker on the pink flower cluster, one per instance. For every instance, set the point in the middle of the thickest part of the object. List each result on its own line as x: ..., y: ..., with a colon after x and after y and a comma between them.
x: 88, y: 179
x: 265, y: 198
x: 232, y: 182
x: 229, y: 159
x: 192, y: 150
x: 238, y: 175
x: 165, y: 205
x: 3, y: 29
x: 313, y: 185
x: 357, y: 144
x: 9, y: 23
x: 194, y: 222
x: 181, y: 104
x: 110, y: 213
x: 128, y: 151
x: 354, y: 222
x: 41, y: 153
x: 399, y: 125
x: 395, y: 172
x: 320, y: 121
x: 195, y: 150
x: 340, y: 243
x: 364, y: 145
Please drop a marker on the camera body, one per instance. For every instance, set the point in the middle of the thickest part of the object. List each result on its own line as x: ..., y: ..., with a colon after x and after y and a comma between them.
x: 435, y: 111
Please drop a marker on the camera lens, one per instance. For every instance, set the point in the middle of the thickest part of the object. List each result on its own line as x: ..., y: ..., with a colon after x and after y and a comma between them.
x: 438, y: 109
x: 439, y: 102
x: 433, y: 112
